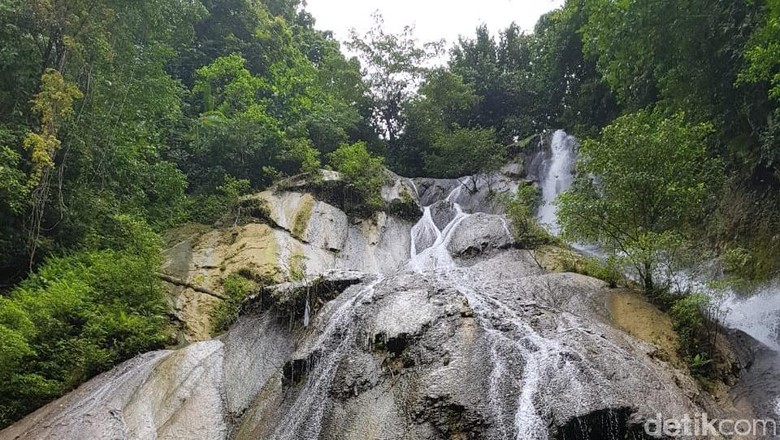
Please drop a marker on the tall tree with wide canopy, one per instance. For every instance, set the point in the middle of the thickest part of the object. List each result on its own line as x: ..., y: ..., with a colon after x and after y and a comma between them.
x: 393, y: 67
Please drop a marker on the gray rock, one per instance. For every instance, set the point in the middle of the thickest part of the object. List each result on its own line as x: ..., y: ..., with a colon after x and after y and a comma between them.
x: 479, y: 233
x: 442, y: 213
x: 513, y: 170
x: 471, y: 352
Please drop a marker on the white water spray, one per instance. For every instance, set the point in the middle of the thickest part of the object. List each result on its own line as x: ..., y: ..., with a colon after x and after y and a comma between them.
x: 557, y: 177
x: 757, y: 315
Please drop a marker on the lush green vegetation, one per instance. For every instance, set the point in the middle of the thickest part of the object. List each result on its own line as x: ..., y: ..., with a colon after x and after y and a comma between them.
x: 78, y: 315
x: 236, y: 286
x: 521, y: 211
x: 643, y: 189
x: 121, y: 119
x: 365, y: 174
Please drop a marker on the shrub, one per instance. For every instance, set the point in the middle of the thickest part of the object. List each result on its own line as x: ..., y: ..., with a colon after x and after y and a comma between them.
x: 207, y: 209
x: 688, y: 317
x: 236, y: 287
x: 79, y: 315
x: 609, y: 270
x: 521, y: 211
x: 364, y: 172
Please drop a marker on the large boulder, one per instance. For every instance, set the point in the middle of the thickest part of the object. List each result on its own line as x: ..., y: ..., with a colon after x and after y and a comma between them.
x: 479, y: 233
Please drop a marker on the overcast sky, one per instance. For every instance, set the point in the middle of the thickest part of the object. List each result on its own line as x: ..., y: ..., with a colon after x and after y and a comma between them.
x: 433, y: 19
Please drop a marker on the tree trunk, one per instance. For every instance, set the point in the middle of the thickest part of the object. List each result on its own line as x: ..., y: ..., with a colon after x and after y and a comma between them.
x: 647, y: 279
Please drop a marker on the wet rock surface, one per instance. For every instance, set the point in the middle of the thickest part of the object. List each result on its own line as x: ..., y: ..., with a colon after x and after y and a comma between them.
x: 442, y: 213
x: 484, y: 351
x: 480, y: 233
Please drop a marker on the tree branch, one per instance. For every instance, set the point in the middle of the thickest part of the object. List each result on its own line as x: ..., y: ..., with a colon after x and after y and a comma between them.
x: 179, y: 282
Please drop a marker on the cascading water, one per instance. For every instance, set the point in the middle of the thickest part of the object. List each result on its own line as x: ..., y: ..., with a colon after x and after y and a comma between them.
x: 428, y: 243
x: 557, y: 177
x: 436, y: 258
x: 307, y: 412
x: 429, y: 254
x: 757, y: 315
x: 488, y: 346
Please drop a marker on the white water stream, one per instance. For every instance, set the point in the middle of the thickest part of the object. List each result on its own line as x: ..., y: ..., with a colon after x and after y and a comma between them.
x: 436, y: 256
x: 307, y: 411
x: 558, y: 175
x: 429, y: 254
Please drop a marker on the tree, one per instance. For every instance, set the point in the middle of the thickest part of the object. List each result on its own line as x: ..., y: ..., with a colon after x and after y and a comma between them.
x: 464, y: 152
x: 762, y: 56
x: 53, y: 104
x: 682, y: 56
x: 641, y: 188
x: 568, y: 90
x: 444, y: 102
x: 364, y: 172
x: 393, y: 66
x: 477, y: 62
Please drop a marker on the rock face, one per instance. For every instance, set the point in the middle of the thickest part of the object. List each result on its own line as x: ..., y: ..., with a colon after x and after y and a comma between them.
x: 447, y: 333
x: 494, y: 350
x: 473, y: 194
x: 294, y: 235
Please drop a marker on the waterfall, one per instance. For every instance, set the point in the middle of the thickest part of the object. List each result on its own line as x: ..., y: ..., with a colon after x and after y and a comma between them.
x: 428, y: 243
x: 307, y: 413
x: 429, y: 253
x: 556, y: 177
x: 757, y: 315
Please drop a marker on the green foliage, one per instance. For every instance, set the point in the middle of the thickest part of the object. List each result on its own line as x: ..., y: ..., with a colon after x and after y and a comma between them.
x: 762, y: 66
x: 463, y: 152
x: 134, y: 100
x: 13, y: 203
x: 79, y: 315
x: 364, y: 172
x: 443, y: 103
x: 236, y: 287
x: 405, y: 208
x: 689, y: 317
x: 394, y: 63
x: 521, y: 211
x: 209, y: 208
x: 762, y: 54
x: 13, y: 188
x: 736, y: 260
x: 641, y: 188
x: 609, y: 270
